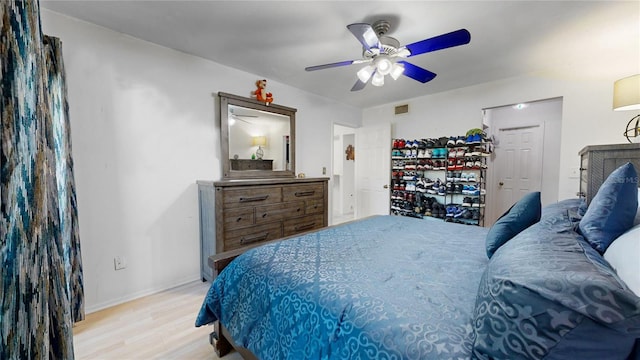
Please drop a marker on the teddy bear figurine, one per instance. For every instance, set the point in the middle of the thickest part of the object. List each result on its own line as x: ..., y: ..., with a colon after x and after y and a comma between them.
x: 261, y: 93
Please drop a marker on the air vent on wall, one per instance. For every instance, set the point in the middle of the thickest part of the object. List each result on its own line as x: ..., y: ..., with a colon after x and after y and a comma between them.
x: 402, y: 109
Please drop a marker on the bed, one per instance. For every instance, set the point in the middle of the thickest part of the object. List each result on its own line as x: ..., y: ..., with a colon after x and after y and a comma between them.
x: 392, y: 287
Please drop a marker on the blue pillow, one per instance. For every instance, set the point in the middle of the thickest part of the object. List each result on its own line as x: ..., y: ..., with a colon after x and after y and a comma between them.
x: 613, y: 208
x: 520, y: 216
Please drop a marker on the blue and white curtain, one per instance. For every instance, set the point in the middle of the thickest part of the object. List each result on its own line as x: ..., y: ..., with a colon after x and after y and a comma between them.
x: 41, y: 268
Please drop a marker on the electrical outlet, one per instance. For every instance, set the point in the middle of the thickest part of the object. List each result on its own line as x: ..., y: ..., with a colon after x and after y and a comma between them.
x: 324, y: 170
x: 119, y: 262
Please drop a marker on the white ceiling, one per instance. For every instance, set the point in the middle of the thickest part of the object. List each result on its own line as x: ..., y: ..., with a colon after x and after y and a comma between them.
x: 278, y: 39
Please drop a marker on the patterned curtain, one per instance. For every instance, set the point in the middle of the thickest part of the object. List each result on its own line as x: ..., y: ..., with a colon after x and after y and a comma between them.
x: 40, y: 270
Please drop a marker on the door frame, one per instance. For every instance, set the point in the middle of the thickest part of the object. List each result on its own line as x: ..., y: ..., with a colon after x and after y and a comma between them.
x: 551, y: 115
x: 333, y: 167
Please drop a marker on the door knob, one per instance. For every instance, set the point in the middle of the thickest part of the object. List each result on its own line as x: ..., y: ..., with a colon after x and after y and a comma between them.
x: 500, y: 183
x: 385, y: 186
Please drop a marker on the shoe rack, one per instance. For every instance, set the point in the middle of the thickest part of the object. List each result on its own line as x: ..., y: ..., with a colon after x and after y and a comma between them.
x: 441, y: 178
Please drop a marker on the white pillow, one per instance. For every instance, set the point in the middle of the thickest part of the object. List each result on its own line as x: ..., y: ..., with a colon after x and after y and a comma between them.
x: 624, y: 256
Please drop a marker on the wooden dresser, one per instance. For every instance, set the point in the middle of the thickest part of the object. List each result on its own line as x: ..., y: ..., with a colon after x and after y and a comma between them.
x: 239, y: 213
x: 598, y: 161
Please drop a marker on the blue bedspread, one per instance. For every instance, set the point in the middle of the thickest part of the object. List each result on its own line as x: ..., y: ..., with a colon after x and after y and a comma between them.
x: 386, y: 287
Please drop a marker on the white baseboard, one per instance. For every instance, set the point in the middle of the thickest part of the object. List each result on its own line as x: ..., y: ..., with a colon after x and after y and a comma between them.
x: 139, y: 294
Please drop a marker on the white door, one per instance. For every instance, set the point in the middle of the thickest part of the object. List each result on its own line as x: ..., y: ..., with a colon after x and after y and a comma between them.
x: 373, y: 166
x: 517, y: 165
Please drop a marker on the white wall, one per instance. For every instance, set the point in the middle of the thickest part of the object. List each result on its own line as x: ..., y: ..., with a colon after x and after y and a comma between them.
x: 587, y: 116
x: 144, y: 129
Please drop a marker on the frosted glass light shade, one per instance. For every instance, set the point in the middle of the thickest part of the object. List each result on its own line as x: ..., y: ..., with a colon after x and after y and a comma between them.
x: 626, y: 93
x: 365, y: 73
x: 378, y: 79
x: 396, y: 71
x: 384, y: 65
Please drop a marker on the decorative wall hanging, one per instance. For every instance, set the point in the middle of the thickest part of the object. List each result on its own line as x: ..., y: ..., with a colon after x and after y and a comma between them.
x: 351, y: 152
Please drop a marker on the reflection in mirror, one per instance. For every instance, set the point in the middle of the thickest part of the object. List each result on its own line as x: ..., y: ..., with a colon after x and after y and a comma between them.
x: 257, y: 140
x: 258, y: 135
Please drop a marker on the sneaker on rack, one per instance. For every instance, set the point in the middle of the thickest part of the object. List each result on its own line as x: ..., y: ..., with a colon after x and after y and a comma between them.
x: 421, y: 154
x: 449, y: 211
x: 451, y: 142
x: 469, y: 140
x: 471, y: 177
x: 460, y: 140
x: 428, y: 153
x: 459, y: 213
x: 467, y: 201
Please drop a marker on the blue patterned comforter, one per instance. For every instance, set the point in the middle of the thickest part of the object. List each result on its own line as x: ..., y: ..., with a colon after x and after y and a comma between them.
x: 386, y: 287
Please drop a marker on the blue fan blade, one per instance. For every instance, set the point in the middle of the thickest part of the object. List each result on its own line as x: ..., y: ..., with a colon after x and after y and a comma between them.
x: 454, y: 38
x: 365, y: 34
x: 327, y: 66
x: 359, y: 85
x: 416, y: 72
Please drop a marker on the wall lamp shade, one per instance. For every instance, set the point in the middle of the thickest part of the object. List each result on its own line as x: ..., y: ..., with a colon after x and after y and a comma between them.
x: 259, y: 141
x: 626, y: 93
x: 626, y: 96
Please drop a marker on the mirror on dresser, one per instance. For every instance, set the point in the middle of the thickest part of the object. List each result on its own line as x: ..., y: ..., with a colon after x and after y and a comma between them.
x: 258, y: 140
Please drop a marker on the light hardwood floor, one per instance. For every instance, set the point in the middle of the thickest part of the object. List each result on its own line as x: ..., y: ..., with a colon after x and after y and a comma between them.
x: 159, y: 326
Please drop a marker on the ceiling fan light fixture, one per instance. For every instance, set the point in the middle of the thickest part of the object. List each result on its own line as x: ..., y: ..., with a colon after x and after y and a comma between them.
x: 396, y: 70
x: 365, y: 73
x: 384, y: 65
x: 378, y: 79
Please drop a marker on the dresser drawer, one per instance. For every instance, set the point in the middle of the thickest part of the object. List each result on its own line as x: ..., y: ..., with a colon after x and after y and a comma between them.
x: 235, y: 239
x: 252, y: 196
x: 305, y: 223
x: 238, y: 218
x: 314, y: 207
x: 303, y: 192
x: 278, y: 212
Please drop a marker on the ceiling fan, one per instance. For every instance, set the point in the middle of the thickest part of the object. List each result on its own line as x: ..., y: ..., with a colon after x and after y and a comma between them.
x: 240, y: 117
x: 385, y: 56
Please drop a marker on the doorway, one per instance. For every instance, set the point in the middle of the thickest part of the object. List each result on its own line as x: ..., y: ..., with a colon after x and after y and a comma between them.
x: 343, y: 177
x: 526, y: 137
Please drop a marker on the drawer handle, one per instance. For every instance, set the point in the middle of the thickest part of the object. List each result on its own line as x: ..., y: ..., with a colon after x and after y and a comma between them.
x: 252, y: 239
x: 255, y: 198
x: 304, y: 193
x: 239, y: 219
x: 305, y: 227
x: 264, y: 215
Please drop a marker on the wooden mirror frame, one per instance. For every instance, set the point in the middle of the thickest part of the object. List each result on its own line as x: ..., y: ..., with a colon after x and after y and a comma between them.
x: 227, y: 173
